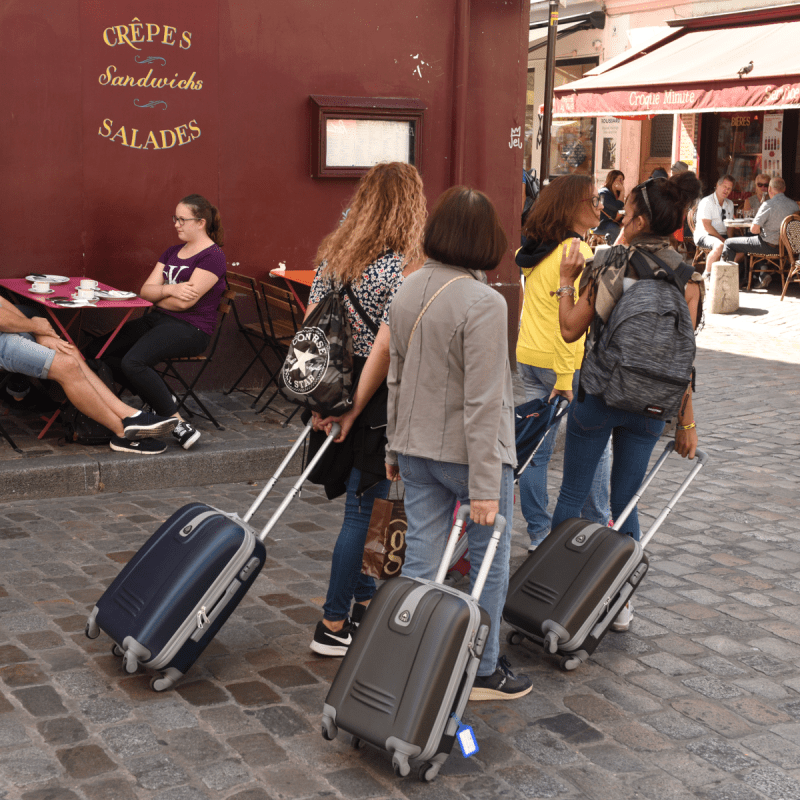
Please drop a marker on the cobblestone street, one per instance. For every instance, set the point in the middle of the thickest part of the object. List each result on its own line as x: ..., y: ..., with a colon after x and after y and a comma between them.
x: 700, y: 699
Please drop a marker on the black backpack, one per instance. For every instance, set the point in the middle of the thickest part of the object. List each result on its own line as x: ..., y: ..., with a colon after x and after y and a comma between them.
x: 317, y: 373
x: 77, y: 426
x: 641, y: 359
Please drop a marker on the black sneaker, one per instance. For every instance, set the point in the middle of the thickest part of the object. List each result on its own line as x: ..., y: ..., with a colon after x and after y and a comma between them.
x: 332, y: 643
x: 502, y: 684
x: 145, y: 424
x: 186, y: 434
x: 357, y: 614
x: 150, y: 447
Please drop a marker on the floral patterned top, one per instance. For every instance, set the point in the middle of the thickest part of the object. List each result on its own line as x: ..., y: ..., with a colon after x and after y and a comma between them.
x: 375, y: 291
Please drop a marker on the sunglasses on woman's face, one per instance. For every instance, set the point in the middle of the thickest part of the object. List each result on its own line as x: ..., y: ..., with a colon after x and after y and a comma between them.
x: 762, y: 185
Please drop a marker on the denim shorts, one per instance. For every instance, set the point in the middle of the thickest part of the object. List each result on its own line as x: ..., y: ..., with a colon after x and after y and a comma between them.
x: 19, y: 352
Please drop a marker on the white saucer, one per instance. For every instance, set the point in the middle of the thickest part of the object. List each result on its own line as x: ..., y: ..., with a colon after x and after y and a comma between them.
x: 48, y: 278
x: 39, y: 291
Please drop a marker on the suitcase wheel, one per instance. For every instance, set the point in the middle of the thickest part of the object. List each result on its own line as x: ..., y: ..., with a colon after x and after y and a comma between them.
x: 159, y: 684
x: 92, y: 629
x: 131, y: 662
x: 116, y: 650
x: 400, y: 765
x: 329, y: 729
x: 514, y: 637
x: 356, y: 743
x: 568, y: 663
x: 428, y: 772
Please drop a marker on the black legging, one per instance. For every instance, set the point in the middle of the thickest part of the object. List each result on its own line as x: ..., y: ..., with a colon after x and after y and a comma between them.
x: 147, y: 341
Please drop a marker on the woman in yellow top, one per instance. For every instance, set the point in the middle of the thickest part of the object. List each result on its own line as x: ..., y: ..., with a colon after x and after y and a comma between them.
x: 549, y: 366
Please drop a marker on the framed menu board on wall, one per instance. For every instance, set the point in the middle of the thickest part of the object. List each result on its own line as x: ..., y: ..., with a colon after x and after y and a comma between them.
x: 349, y: 135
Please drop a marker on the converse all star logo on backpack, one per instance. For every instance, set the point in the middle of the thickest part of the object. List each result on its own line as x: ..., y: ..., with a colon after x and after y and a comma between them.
x: 307, y: 362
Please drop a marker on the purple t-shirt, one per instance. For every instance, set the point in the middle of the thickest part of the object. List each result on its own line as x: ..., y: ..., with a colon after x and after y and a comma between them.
x: 203, y: 314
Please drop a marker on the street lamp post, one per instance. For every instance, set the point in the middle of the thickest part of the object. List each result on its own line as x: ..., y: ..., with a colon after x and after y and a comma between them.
x: 549, y: 85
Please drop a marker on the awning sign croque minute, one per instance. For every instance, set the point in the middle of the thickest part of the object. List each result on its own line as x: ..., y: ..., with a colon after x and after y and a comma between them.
x: 150, y: 44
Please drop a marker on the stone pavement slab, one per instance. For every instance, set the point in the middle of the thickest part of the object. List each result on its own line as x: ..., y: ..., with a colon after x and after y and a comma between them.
x: 700, y: 699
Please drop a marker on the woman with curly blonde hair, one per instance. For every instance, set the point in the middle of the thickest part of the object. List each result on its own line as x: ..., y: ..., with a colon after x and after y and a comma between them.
x: 364, y: 258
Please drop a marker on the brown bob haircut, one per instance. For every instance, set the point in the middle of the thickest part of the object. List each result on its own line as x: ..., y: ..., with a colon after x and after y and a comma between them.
x: 556, y: 207
x: 463, y: 230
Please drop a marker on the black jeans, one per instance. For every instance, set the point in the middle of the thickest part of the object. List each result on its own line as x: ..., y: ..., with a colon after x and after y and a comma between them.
x: 145, y: 342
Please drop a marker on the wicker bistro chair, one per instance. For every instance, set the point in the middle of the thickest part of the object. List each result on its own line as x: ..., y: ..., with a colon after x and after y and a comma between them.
x: 700, y: 253
x: 256, y: 333
x: 284, y: 319
x: 772, y: 263
x: 169, y: 369
x: 790, y: 250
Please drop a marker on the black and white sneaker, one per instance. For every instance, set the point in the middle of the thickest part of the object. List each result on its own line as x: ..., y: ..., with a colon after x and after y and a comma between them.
x: 502, y: 684
x: 150, y: 447
x: 332, y: 643
x: 145, y: 424
x: 185, y: 434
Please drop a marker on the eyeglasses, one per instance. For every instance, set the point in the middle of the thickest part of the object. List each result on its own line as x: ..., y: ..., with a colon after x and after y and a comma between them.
x: 183, y: 220
x: 762, y: 185
x: 594, y: 200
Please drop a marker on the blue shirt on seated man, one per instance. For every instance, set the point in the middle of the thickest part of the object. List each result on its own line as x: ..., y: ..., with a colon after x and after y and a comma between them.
x: 31, y: 347
x: 766, y: 230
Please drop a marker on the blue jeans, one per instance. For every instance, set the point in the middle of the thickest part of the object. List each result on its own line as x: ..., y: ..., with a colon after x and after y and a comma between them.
x: 533, y: 499
x: 347, y: 583
x: 432, y: 488
x: 589, y: 427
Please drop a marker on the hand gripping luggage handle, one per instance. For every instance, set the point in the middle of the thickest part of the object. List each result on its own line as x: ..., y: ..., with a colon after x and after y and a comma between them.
x: 701, y: 458
x: 295, y: 490
x: 491, y: 549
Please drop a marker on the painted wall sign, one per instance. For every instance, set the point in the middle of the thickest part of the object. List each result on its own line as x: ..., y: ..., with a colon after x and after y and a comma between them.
x: 143, y: 54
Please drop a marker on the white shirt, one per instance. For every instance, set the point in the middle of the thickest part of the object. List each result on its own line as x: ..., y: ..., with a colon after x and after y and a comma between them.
x: 709, y: 208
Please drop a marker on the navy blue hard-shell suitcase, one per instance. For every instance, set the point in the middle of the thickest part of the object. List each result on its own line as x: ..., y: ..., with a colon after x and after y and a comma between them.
x: 172, y: 597
x: 406, y: 679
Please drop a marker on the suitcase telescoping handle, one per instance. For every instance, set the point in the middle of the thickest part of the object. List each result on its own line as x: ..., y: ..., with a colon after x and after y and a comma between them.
x: 701, y: 457
x: 491, y: 549
x: 295, y: 490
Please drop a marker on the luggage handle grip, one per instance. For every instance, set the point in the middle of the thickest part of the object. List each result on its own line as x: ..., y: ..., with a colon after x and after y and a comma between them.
x: 701, y: 458
x: 295, y: 490
x: 491, y: 549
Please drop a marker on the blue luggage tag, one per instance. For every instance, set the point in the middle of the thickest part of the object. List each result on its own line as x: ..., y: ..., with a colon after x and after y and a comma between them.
x: 466, y: 739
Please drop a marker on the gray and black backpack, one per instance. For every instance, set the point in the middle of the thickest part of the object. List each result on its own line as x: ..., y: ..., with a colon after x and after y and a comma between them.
x: 641, y: 359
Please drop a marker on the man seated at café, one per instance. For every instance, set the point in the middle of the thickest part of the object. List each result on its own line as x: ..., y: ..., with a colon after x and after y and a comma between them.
x: 766, y: 229
x: 31, y: 347
x: 752, y: 204
x: 712, y: 211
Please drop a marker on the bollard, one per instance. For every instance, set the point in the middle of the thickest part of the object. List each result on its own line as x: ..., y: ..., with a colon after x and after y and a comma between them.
x: 723, y: 291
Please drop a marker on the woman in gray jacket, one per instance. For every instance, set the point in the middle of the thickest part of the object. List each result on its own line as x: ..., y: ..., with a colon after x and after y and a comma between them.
x: 451, y: 409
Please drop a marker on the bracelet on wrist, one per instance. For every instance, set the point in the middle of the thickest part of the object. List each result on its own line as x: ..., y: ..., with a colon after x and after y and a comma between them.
x: 565, y: 290
x: 686, y: 427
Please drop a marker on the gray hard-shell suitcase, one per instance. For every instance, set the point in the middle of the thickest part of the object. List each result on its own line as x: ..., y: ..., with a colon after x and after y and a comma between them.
x: 567, y: 593
x: 172, y: 597
x: 408, y: 674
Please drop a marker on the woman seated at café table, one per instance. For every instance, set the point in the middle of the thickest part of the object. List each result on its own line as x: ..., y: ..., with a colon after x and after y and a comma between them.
x: 185, y: 288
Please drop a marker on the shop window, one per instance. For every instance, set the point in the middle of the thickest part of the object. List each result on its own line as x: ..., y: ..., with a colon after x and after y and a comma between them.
x: 661, y: 136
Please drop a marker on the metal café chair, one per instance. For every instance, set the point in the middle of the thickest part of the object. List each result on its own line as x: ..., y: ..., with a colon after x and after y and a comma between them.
x: 4, y: 377
x: 771, y: 263
x: 700, y: 252
x: 169, y: 369
x: 255, y: 333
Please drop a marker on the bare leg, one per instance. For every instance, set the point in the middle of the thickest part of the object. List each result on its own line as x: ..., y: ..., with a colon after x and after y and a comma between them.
x: 116, y: 405
x: 66, y: 370
x: 714, y: 256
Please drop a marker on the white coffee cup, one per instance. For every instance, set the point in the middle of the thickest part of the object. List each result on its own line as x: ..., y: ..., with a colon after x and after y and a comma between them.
x: 41, y: 286
x: 85, y: 294
x: 88, y: 283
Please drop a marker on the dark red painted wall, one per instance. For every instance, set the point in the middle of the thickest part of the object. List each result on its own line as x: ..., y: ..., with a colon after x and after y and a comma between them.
x: 81, y: 195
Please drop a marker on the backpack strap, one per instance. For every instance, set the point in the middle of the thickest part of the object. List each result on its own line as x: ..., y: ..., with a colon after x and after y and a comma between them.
x: 365, y: 318
x: 678, y: 276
